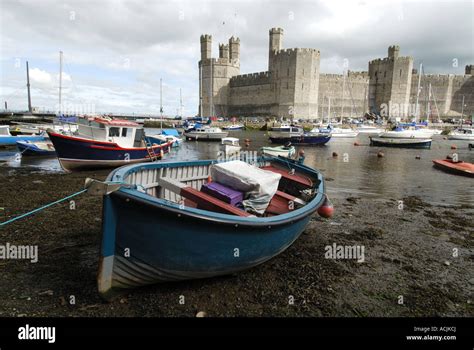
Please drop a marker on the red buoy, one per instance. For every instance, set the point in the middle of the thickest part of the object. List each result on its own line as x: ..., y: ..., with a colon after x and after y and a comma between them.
x: 454, y: 147
x: 327, y: 209
x: 356, y: 143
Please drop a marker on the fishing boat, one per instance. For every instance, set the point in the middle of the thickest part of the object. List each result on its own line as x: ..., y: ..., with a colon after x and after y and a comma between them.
x: 205, y: 133
x: 36, y: 148
x: 462, y: 134
x: 400, y: 142
x: 103, y: 142
x: 279, y: 151
x: 453, y: 167
x: 230, y: 147
x: 7, y: 139
x: 160, y: 225
x: 407, y: 132
x: 233, y: 127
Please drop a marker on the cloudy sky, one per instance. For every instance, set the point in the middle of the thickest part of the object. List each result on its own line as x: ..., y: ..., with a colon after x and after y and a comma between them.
x: 116, y: 51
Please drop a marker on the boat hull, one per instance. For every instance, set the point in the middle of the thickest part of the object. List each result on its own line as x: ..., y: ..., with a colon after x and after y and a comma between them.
x: 79, y: 154
x: 400, y: 143
x: 27, y: 148
x: 165, y: 245
x: 279, y: 151
x: 459, y: 168
x: 218, y: 136
x: 308, y: 140
x: 461, y: 137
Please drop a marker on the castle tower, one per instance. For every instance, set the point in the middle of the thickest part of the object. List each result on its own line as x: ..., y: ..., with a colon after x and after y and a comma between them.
x: 224, y: 51
x: 215, y: 74
x: 206, y: 46
x: 234, y: 48
x: 390, y: 84
x: 275, y: 44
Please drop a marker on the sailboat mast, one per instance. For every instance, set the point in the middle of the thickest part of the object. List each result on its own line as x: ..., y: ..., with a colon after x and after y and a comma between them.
x: 60, y: 80
x: 343, y: 88
x: 211, y: 87
x: 161, y: 103
x: 200, y: 90
x: 329, y: 109
x: 28, y: 87
x: 417, y: 112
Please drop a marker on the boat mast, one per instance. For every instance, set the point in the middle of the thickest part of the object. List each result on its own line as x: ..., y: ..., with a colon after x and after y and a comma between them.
x: 343, y: 90
x: 211, y: 87
x: 329, y: 109
x: 462, y: 109
x: 200, y: 90
x: 28, y: 87
x: 428, y: 104
x: 417, y: 112
x: 161, y: 103
x: 60, y: 79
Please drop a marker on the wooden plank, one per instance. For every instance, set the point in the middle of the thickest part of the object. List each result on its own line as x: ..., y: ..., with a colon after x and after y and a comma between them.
x: 285, y: 174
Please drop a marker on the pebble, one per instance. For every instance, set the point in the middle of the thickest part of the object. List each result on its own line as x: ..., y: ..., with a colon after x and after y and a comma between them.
x: 201, y: 314
x: 47, y: 292
x: 471, y: 281
x: 447, y: 263
x: 38, y: 182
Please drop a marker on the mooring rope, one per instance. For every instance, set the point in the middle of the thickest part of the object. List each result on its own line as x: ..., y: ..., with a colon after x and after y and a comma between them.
x: 42, y: 208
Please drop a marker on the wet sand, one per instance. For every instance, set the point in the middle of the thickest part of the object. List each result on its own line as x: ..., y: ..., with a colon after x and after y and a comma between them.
x: 408, y: 252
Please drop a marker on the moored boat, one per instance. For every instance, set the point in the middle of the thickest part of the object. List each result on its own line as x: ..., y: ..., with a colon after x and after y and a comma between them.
x: 451, y: 166
x: 105, y: 143
x: 205, y: 133
x: 279, y: 151
x: 233, y: 127
x: 150, y: 222
x: 400, y: 142
x: 6, y: 139
x: 36, y: 148
x: 462, y: 134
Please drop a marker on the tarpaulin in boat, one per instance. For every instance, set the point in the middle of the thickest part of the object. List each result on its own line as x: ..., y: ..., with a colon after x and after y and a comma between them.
x: 259, y: 185
x: 170, y: 132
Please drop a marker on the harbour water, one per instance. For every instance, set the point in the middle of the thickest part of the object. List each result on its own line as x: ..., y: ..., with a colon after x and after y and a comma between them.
x: 356, y: 170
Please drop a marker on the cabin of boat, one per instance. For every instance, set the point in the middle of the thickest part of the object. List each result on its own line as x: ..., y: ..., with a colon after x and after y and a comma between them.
x: 183, y: 220
x: 124, y: 133
x: 5, y: 130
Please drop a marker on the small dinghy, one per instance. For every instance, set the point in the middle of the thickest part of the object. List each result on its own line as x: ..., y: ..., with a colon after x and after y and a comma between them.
x: 36, y: 148
x: 287, y: 151
x: 458, y: 168
x: 167, y: 221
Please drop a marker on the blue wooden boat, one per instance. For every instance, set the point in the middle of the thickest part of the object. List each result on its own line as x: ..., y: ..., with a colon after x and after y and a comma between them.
x: 158, y: 226
x: 105, y: 143
x: 37, y: 148
x: 6, y: 139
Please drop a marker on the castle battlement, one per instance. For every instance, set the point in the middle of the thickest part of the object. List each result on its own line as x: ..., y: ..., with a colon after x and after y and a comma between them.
x: 251, y: 79
x: 293, y: 51
x: 206, y: 37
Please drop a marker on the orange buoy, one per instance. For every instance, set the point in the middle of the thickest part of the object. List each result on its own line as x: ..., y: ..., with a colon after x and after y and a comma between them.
x: 209, y: 179
x: 417, y: 157
x: 327, y: 209
x: 301, y: 152
x: 356, y: 143
x: 380, y: 154
x: 454, y: 147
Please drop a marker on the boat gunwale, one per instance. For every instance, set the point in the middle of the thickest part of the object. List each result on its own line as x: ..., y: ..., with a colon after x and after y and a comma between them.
x: 312, y: 206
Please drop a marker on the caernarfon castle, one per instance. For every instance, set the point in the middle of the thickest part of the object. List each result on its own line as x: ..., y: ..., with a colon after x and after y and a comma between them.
x: 293, y: 86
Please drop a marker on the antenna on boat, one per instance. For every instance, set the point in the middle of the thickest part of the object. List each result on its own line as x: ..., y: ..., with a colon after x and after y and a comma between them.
x: 161, y: 103
x: 28, y: 87
x: 60, y: 80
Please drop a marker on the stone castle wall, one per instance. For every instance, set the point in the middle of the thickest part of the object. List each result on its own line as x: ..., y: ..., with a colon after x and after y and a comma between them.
x: 293, y: 86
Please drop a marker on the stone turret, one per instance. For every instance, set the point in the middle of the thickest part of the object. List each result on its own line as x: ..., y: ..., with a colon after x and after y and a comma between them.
x: 393, y: 51
x: 206, y: 46
x: 224, y: 51
x: 275, y: 44
x: 469, y: 70
x: 234, y: 48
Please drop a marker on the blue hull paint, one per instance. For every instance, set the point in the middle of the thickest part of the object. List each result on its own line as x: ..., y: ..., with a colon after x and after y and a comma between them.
x: 11, y: 140
x: 30, y: 149
x: 302, y: 140
x: 168, y: 243
x: 75, y: 153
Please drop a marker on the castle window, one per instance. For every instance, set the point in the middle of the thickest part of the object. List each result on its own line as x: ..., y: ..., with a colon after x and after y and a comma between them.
x: 384, y: 74
x: 303, y: 71
x: 288, y: 71
x: 286, y: 85
x: 400, y: 72
x: 302, y: 86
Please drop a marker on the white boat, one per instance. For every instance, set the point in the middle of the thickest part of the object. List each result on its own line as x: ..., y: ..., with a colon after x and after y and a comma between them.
x: 407, y: 133
x: 233, y: 127
x: 461, y: 134
x: 336, y: 132
x: 283, y: 151
x: 206, y: 133
x: 369, y: 129
x: 230, y: 147
x: 286, y: 131
x: 160, y: 138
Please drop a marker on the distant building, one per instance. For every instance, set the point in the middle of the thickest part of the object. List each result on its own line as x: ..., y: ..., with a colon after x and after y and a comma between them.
x: 293, y: 86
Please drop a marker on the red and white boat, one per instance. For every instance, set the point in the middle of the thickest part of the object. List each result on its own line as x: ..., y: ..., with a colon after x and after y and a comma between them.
x: 103, y: 142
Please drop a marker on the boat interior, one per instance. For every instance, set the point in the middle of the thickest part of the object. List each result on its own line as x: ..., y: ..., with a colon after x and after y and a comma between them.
x: 186, y: 185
